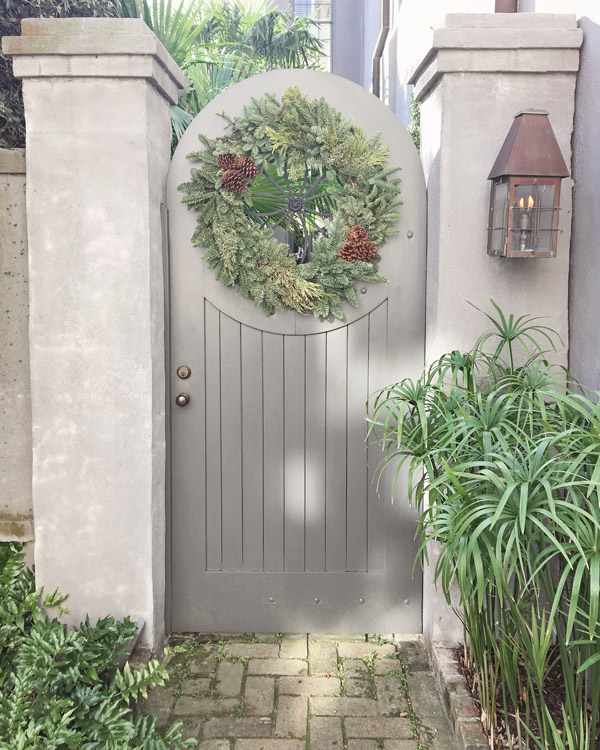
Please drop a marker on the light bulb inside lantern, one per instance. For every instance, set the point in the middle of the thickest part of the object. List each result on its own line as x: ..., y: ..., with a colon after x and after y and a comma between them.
x: 525, y: 220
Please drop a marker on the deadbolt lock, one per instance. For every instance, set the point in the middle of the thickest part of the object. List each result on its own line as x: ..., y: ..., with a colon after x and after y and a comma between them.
x: 184, y: 372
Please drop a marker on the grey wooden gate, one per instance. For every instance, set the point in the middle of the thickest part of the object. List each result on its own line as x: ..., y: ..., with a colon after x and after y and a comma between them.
x: 275, y: 522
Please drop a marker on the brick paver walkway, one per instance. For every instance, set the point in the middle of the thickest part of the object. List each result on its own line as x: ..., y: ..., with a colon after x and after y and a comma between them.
x: 302, y: 692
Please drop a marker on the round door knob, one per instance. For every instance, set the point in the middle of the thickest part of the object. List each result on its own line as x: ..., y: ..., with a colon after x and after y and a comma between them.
x: 182, y: 400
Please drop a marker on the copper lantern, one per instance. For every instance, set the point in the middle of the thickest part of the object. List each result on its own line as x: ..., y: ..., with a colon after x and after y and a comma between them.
x: 525, y: 194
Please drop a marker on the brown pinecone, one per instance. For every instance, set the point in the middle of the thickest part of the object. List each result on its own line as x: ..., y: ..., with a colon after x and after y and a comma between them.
x: 357, y: 234
x: 365, y: 251
x: 247, y: 167
x: 228, y: 161
x: 348, y: 252
x: 234, y: 181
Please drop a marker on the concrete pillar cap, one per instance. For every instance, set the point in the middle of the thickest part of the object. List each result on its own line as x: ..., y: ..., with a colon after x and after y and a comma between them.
x: 499, y: 43
x: 93, y: 48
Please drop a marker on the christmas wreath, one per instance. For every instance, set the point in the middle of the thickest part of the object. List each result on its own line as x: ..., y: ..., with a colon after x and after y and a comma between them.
x: 293, y: 204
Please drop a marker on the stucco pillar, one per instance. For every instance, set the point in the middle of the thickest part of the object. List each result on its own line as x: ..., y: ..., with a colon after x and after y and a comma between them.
x: 480, y: 71
x: 16, y: 519
x: 97, y: 95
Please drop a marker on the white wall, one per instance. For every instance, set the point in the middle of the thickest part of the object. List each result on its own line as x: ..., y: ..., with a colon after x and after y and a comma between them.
x: 371, y: 26
x: 347, y: 39
x: 411, y: 35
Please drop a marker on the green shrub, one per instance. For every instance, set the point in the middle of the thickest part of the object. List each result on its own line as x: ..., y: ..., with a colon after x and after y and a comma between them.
x: 502, y: 451
x: 60, y: 688
x: 414, y: 126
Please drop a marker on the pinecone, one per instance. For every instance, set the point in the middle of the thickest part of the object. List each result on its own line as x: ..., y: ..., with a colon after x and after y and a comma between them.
x: 234, y: 181
x: 365, y: 251
x: 228, y: 161
x: 353, y: 251
x: 357, y: 234
x: 348, y: 252
x: 247, y: 167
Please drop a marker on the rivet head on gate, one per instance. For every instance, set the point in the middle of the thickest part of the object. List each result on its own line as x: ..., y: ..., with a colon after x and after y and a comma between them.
x: 271, y: 599
x: 317, y: 600
x: 363, y: 290
x: 183, y: 372
x: 406, y: 602
x: 410, y: 234
x: 361, y: 600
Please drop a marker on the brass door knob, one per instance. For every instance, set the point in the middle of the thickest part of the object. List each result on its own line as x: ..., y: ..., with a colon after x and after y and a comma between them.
x: 182, y: 400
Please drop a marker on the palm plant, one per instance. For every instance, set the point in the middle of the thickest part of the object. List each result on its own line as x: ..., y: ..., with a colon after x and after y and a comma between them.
x: 220, y: 42
x: 256, y: 28
x: 178, y: 27
x: 503, y: 456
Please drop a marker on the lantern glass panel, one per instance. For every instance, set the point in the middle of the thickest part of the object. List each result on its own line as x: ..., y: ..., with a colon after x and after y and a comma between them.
x: 499, y: 218
x: 545, y: 217
x: 533, y: 216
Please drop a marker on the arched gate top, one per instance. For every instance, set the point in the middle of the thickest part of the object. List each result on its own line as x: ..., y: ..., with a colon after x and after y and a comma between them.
x: 369, y: 113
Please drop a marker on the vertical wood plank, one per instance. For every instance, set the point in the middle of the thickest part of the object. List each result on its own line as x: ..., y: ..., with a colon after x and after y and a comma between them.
x: 335, y: 467
x: 377, y: 369
x: 273, y: 450
x: 358, y: 392
x: 294, y: 394
x: 212, y: 365
x: 231, y: 443
x: 316, y: 379
x: 252, y: 448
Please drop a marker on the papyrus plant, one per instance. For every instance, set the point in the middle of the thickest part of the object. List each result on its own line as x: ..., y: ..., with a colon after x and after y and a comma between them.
x: 503, y: 458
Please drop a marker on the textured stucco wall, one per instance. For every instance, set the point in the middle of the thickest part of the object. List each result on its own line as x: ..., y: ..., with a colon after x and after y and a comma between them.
x: 481, y: 91
x: 16, y: 519
x: 470, y: 88
x: 98, y: 421
x: 412, y: 31
x: 98, y: 150
x: 584, y: 301
x: 439, y: 621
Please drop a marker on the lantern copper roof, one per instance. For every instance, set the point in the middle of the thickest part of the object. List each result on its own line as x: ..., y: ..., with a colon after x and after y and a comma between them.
x: 530, y: 149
